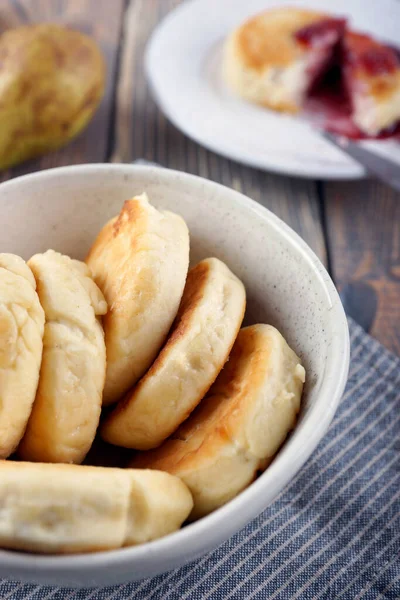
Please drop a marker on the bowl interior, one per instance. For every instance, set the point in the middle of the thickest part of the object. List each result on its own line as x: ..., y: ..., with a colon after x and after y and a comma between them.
x: 65, y: 211
x: 286, y: 285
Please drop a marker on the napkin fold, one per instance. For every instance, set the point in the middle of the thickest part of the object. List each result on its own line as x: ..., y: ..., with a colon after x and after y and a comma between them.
x: 333, y: 532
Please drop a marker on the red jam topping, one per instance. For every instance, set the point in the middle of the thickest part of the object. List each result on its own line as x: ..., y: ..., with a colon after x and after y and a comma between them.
x: 329, y: 109
x: 377, y: 62
x: 362, y: 52
x: 328, y: 104
x: 313, y: 34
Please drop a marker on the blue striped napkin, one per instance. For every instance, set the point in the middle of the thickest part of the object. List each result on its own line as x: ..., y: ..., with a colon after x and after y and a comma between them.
x: 333, y: 533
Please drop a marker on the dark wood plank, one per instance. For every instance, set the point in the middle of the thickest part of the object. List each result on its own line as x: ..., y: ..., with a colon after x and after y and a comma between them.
x: 363, y: 225
x: 143, y: 132
x: 102, y: 19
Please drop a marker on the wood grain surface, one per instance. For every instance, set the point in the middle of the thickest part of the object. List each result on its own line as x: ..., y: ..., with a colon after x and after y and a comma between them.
x: 363, y: 234
x: 353, y: 227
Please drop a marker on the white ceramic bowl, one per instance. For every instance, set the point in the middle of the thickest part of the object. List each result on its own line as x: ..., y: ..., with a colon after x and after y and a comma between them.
x: 286, y: 286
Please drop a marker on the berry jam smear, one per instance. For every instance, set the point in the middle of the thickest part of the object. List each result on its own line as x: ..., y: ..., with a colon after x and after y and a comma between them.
x: 311, y: 35
x: 364, y: 53
x: 328, y: 104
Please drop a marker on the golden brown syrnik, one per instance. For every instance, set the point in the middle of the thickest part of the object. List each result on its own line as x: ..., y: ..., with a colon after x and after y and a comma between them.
x: 208, y: 321
x: 140, y: 261
x: 239, y: 425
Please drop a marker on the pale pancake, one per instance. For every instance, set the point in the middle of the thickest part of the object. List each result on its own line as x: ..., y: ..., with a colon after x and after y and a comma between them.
x: 69, y: 508
x: 239, y: 425
x: 67, y: 408
x: 264, y: 62
x: 205, y: 329
x: 21, y: 344
x: 139, y: 261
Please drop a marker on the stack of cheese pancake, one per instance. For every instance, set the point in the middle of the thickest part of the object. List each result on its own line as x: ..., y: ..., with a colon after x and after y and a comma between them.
x: 131, y: 349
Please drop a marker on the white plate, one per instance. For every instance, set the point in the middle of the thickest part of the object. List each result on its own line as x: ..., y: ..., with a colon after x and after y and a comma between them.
x: 183, y: 67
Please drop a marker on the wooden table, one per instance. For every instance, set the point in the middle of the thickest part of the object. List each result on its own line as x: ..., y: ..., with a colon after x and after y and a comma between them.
x: 353, y: 227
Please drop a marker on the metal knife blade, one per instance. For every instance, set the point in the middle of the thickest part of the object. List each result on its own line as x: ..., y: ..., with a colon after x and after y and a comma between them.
x: 380, y: 167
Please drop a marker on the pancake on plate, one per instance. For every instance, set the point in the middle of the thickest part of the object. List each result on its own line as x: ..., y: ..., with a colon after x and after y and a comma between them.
x: 279, y: 58
x: 266, y: 62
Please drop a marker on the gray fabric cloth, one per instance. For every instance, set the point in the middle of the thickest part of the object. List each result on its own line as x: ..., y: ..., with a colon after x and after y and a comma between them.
x: 333, y: 533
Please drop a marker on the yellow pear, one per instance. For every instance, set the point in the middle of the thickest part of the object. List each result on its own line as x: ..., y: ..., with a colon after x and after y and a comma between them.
x: 51, y: 82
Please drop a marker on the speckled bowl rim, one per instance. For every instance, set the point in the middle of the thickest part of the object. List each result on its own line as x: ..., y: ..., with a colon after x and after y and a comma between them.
x: 212, y: 530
